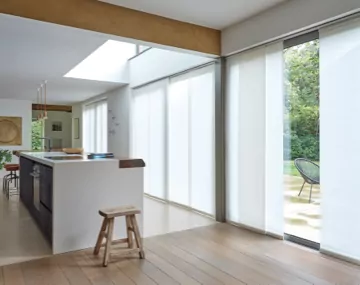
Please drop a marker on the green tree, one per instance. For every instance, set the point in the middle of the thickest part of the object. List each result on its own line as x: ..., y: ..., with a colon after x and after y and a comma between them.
x: 36, y: 134
x: 302, y: 101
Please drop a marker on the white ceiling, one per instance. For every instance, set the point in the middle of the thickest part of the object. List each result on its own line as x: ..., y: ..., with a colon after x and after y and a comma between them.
x: 216, y: 14
x: 32, y: 51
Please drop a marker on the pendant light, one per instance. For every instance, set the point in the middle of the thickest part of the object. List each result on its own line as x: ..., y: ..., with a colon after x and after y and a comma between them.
x: 45, y: 112
x: 38, y: 103
x: 41, y: 100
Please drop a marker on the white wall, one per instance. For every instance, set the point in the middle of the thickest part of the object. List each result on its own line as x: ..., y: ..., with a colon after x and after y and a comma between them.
x: 158, y: 63
x: 18, y: 108
x: 119, y: 121
x: 57, y: 116
x: 282, y: 20
x: 76, y: 114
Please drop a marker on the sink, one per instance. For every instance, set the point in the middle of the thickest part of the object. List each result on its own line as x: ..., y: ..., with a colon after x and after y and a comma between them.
x: 67, y: 157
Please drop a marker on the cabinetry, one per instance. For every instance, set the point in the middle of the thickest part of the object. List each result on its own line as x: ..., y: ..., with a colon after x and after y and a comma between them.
x: 36, y: 189
x: 46, y: 193
x: 26, y: 182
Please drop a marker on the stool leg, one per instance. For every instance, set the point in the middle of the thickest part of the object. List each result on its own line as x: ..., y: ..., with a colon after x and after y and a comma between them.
x: 7, y: 188
x: 108, y: 241
x: 137, y: 236
x: 129, y: 232
x: 100, y: 237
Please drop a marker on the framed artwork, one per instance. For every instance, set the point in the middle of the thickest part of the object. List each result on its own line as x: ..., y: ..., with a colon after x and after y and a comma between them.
x: 56, y: 126
x: 10, y: 131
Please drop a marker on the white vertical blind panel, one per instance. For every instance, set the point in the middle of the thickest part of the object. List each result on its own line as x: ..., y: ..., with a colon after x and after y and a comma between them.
x: 101, y: 126
x: 340, y: 138
x: 140, y: 132
x: 178, y: 141
x: 232, y: 139
x: 95, y: 127
x: 274, y: 180
x: 246, y: 139
x: 148, y: 134
x: 202, y: 138
x: 157, y: 139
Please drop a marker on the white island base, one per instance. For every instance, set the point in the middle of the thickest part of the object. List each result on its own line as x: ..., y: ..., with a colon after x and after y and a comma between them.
x: 80, y: 189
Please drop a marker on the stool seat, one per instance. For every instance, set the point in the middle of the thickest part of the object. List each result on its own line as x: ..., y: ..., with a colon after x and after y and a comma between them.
x: 119, y: 211
x: 12, y: 167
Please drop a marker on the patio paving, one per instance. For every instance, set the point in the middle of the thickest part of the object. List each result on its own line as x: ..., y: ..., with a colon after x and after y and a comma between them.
x: 302, y: 218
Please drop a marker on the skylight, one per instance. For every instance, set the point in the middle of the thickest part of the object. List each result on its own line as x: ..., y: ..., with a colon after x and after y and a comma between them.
x: 107, y: 63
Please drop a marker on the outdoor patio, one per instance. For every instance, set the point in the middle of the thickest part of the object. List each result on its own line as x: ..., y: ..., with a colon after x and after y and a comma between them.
x: 302, y: 218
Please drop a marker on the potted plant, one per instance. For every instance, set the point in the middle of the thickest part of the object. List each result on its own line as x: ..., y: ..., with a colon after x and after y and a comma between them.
x: 5, y: 157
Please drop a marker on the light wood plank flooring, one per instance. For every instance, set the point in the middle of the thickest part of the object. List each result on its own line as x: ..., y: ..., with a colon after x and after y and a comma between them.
x: 210, y: 255
x: 21, y: 239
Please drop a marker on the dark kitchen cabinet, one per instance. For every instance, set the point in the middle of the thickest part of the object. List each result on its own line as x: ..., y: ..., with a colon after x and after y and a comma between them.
x: 46, y: 222
x: 46, y: 196
x: 46, y: 184
x: 36, y: 193
x: 26, y: 182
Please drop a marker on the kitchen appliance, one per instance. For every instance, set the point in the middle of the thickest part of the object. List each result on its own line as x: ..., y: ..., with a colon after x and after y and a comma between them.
x: 36, y: 186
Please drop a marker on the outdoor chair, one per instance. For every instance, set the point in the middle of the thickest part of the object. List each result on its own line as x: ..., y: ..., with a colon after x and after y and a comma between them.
x: 309, y: 171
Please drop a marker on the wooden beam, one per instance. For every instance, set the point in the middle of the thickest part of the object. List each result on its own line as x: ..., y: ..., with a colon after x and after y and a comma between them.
x: 62, y: 108
x: 106, y: 18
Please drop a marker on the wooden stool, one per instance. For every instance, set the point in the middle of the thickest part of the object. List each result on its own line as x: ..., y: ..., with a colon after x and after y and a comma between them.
x: 107, y: 229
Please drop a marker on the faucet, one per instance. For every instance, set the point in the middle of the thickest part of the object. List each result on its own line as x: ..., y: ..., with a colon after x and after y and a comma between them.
x: 48, y: 140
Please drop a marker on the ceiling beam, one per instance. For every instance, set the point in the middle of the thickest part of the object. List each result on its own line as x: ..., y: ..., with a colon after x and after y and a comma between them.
x: 62, y: 108
x: 106, y: 18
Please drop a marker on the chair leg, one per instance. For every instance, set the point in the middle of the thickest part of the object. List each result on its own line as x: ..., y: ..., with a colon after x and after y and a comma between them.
x: 108, y: 242
x: 310, y: 192
x: 301, y: 188
x: 129, y: 232
x: 100, y: 237
x: 137, y: 236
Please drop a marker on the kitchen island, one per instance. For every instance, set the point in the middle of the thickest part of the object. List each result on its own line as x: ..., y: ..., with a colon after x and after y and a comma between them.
x: 64, y: 193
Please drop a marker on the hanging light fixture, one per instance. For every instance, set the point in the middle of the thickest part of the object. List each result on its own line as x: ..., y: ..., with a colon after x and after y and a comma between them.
x: 38, y: 103
x: 45, y: 112
x: 41, y: 102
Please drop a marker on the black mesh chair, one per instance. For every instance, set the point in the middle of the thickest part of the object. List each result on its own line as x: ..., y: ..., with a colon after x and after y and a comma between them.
x: 309, y: 171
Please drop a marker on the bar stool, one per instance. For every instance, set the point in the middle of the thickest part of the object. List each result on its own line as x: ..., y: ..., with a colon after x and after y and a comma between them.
x: 12, y: 177
x: 107, y: 228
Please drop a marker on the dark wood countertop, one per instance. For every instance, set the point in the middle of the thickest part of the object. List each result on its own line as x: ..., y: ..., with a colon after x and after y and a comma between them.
x: 131, y: 162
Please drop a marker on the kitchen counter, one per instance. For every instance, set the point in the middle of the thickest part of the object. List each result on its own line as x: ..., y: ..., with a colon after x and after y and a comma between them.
x: 79, y: 188
x: 40, y: 156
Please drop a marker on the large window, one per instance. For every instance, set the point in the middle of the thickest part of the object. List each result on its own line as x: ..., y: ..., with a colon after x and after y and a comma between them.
x: 95, y: 127
x: 173, y: 130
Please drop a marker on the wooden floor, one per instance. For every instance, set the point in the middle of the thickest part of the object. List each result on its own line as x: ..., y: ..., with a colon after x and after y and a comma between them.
x: 211, y: 255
